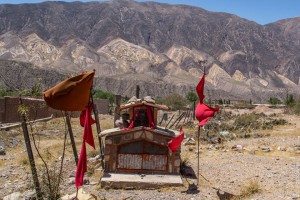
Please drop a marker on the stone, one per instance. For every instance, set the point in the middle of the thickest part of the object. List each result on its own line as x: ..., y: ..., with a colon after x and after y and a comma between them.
x: 189, y: 141
x: 266, y: 149
x: 237, y: 148
x: 132, y: 99
x: 14, y: 196
x: 82, y: 195
x: 29, y: 194
x: 2, y: 150
x: 281, y: 148
x: 149, y: 99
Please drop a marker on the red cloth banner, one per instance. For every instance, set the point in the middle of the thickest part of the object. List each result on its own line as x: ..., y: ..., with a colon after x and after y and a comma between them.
x: 200, y: 89
x: 176, y: 141
x: 88, y: 138
x: 204, y: 113
x: 81, y: 166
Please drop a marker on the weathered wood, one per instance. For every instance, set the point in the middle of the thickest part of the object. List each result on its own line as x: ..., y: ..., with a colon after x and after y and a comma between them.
x: 137, y: 91
x: 68, y: 120
x: 20, y: 124
x: 162, y: 107
x: 98, y: 134
x: 170, y: 120
x: 30, y: 157
x: 117, y: 109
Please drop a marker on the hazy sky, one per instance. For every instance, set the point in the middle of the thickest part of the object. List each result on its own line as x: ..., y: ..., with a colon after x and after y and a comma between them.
x: 260, y: 11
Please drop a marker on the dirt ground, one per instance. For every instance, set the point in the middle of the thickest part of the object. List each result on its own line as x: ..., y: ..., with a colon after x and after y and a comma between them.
x: 224, y: 171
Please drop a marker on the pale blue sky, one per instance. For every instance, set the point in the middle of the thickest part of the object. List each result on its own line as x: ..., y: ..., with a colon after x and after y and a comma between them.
x: 260, y: 11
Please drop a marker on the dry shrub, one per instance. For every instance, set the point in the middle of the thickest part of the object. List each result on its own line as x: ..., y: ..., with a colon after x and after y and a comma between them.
x: 248, y: 190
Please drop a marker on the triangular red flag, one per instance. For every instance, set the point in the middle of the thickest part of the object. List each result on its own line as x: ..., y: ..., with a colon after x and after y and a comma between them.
x: 82, y: 118
x: 204, y: 113
x: 176, y: 141
x: 200, y: 88
x: 87, y: 132
x: 81, y: 166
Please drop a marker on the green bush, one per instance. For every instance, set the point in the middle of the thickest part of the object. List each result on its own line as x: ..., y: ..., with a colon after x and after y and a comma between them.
x: 274, y: 101
x: 294, y: 108
x: 99, y: 94
x: 173, y: 101
x: 191, y: 96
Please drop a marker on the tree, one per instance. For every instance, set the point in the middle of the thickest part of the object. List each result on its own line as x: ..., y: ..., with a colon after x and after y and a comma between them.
x: 99, y: 94
x: 191, y: 97
x: 274, y: 101
x: 289, y: 101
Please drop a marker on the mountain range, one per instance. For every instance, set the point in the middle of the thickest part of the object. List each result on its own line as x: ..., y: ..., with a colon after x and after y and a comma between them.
x: 154, y: 45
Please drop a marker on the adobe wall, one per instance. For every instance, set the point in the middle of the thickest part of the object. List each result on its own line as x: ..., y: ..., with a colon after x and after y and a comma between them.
x: 38, y: 109
x: 2, y: 109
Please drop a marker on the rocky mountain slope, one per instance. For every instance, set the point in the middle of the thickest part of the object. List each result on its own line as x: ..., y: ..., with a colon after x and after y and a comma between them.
x: 155, y: 45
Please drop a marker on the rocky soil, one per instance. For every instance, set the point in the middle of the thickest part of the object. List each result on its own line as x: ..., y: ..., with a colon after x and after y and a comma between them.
x: 271, y: 161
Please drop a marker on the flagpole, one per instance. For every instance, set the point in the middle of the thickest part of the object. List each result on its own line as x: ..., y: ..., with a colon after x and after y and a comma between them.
x: 198, y: 155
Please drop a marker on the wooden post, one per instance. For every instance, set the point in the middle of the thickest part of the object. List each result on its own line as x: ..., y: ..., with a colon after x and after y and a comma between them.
x: 194, y: 116
x: 30, y: 157
x: 98, y: 134
x: 137, y: 91
x: 117, y: 109
x: 68, y: 120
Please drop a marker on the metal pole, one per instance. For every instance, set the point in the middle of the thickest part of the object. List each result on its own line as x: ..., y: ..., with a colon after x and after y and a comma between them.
x: 30, y: 156
x: 198, y: 168
x: 68, y: 120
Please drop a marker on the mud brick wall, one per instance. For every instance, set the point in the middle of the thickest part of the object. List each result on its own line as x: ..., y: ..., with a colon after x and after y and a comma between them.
x: 2, y: 109
x: 38, y: 109
x: 102, y: 106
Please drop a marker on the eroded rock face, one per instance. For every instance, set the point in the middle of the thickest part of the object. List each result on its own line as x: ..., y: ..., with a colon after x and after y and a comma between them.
x: 155, y: 45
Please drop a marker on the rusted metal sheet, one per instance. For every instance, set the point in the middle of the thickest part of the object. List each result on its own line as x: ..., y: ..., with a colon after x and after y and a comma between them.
x: 155, y: 162
x: 130, y: 161
x: 142, y: 161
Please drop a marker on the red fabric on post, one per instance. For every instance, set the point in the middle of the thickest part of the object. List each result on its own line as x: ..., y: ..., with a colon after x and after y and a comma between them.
x: 81, y: 166
x: 87, y: 132
x: 82, y: 118
x: 200, y: 89
x: 150, y: 119
x: 204, y: 113
x: 176, y: 141
x: 87, y: 121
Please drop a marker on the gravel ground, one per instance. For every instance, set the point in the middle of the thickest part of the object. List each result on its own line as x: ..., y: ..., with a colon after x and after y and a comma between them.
x: 223, y: 170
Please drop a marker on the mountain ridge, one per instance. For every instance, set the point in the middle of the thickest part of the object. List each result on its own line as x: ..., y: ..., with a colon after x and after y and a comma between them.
x: 154, y: 42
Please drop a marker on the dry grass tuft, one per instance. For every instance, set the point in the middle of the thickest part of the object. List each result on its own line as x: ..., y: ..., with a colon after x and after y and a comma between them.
x: 248, y: 190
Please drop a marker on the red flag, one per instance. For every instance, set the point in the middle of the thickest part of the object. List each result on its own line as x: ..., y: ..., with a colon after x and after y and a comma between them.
x: 176, y: 141
x: 200, y: 89
x: 82, y: 118
x: 81, y: 166
x: 150, y: 119
x: 204, y: 113
x: 87, y: 132
x: 87, y: 137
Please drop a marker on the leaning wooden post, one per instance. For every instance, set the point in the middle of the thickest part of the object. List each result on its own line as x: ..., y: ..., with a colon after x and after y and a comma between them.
x: 30, y: 156
x: 117, y: 109
x: 68, y: 120
x: 98, y: 134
